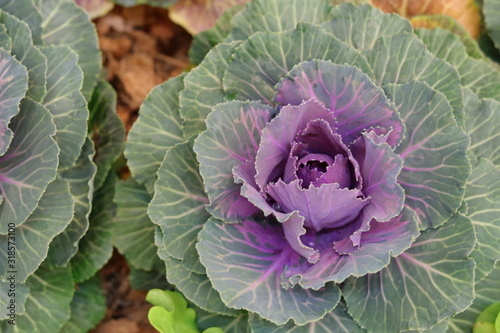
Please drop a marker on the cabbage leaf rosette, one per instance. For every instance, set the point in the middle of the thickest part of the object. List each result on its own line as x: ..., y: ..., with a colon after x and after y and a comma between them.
x: 324, y: 169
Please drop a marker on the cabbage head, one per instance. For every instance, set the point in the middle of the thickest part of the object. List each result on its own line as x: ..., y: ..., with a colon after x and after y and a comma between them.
x: 325, y: 169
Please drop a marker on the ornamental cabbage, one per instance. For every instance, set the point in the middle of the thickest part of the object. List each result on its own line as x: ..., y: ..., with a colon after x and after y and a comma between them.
x: 59, y: 136
x: 324, y: 168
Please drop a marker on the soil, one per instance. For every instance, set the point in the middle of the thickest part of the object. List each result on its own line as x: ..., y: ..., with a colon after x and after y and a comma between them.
x: 141, y: 48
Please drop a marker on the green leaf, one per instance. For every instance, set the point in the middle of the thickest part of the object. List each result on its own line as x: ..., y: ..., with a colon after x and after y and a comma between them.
x: 428, y: 283
x: 482, y: 123
x: 258, y: 63
x: 27, y: 12
x: 5, y: 40
x: 196, y: 287
x: 178, y: 205
x: 245, y: 267
x: 88, y: 307
x: 106, y: 129
x: 13, y: 84
x: 479, y: 75
x: 80, y: 177
x: 48, y: 302
x: 438, y: 328
x: 132, y: 229
x: 65, y: 23
x: 206, y: 40
x: 29, y: 55
x: 203, y: 88
x: 95, y: 248
x: 31, y: 240
x: 485, y: 322
x: 170, y: 313
x: 157, y: 129
x: 277, y: 16
x: 33, y: 147
x: 436, y: 166
x: 65, y: 101
x: 453, y: 26
x: 8, y: 292
x: 487, y: 292
x: 482, y: 195
x: 491, y: 12
x: 147, y: 280
x: 362, y: 26
x: 403, y: 58
x: 336, y: 321
x: 228, y: 324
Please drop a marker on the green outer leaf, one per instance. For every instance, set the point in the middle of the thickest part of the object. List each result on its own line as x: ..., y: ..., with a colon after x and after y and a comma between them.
x: 336, y: 321
x: 27, y: 12
x: 258, y: 64
x: 449, y: 23
x: 436, y: 166
x: 157, y: 129
x: 95, y: 248
x: 481, y: 123
x: 206, y: 40
x: 29, y: 55
x: 362, y: 26
x: 147, y: 280
x: 482, y: 195
x: 491, y: 12
x: 203, y: 88
x: 65, y: 23
x: 178, y: 205
x: 65, y: 101
x: 196, y: 287
x: 438, y: 328
x: 132, y: 230
x: 21, y: 294
x: 403, y: 58
x: 33, y: 142
x: 87, y: 307
x: 479, y: 75
x: 244, y: 280
x: 487, y: 292
x: 13, y: 84
x: 5, y: 40
x: 48, y: 303
x: 106, y: 129
x: 228, y: 324
x: 53, y: 213
x: 277, y: 16
x: 190, y: 260
x: 428, y: 283
x: 488, y: 48
x: 80, y: 177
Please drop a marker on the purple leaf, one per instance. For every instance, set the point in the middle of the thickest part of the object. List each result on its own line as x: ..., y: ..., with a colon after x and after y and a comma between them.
x: 244, y: 263
x: 382, y: 241
x: 327, y: 206
x: 380, y: 167
x: 357, y: 103
x: 280, y: 133
x: 231, y: 138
